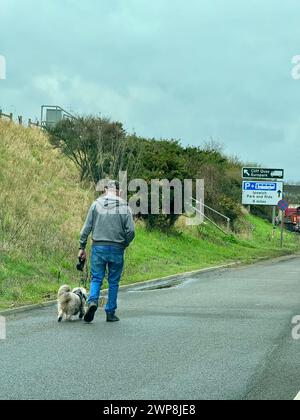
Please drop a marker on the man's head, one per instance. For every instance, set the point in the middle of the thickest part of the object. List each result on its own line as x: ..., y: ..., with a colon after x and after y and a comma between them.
x: 113, y: 187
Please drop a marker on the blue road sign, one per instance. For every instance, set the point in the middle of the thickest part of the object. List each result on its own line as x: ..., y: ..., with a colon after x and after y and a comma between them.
x: 283, y: 205
x: 259, y: 186
x: 262, y: 193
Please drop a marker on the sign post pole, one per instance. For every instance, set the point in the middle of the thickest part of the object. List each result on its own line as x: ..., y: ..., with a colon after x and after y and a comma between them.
x: 283, y: 205
x: 282, y: 228
x: 274, y: 222
x: 274, y: 216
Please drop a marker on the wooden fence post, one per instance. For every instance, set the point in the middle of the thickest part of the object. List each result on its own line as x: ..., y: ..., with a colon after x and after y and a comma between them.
x: 20, y: 119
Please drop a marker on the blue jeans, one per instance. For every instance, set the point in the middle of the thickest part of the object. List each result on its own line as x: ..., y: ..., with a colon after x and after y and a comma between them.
x: 103, y: 257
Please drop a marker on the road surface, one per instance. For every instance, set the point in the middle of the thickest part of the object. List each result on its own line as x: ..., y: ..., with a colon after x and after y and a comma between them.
x: 219, y: 335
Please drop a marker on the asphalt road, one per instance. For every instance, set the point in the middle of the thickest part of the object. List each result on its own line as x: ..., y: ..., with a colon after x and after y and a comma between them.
x: 219, y: 335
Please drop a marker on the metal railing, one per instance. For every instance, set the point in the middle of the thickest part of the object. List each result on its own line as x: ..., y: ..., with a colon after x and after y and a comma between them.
x: 40, y: 124
x: 228, y: 220
x: 58, y: 113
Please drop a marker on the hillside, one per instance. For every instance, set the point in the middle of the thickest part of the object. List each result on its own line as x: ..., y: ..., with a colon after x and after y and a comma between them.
x: 42, y: 207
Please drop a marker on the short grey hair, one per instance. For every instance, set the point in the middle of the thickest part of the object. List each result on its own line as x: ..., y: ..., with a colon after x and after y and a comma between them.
x: 113, y: 185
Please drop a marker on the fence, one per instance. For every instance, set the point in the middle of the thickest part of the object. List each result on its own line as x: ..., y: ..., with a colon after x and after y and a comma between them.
x: 50, y: 115
x: 20, y: 119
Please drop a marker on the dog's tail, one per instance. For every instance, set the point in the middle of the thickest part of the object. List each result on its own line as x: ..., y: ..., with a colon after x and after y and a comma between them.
x: 64, y: 294
x: 65, y: 298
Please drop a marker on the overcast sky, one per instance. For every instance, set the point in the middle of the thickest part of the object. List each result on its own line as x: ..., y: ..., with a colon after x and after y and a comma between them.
x: 184, y: 69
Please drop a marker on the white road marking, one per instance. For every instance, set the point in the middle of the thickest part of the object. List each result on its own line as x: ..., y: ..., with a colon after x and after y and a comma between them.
x: 297, y: 398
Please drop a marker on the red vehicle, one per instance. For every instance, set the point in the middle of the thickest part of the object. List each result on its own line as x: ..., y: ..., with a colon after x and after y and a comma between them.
x: 292, y: 219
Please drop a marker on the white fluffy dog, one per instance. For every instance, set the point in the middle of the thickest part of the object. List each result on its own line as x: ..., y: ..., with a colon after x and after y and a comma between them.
x: 71, y: 302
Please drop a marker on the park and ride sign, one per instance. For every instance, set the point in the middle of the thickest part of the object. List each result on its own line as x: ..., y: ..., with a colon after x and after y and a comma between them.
x: 262, y: 193
x: 264, y: 187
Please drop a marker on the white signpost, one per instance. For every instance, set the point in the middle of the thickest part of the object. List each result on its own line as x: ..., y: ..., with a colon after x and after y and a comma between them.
x: 262, y: 193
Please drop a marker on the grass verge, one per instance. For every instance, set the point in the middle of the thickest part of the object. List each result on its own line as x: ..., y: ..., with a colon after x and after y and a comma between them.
x: 152, y: 255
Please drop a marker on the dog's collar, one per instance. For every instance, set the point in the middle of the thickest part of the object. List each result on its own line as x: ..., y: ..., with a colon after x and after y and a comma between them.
x: 79, y: 294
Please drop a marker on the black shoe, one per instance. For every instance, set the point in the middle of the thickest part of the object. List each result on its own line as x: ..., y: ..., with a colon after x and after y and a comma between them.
x: 90, y: 313
x: 112, y: 318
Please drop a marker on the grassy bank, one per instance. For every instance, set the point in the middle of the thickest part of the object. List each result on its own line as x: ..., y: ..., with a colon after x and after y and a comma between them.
x: 42, y: 207
x: 154, y: 254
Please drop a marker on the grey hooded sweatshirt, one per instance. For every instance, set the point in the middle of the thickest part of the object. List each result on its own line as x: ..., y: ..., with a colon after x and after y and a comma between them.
x: 110, y: 221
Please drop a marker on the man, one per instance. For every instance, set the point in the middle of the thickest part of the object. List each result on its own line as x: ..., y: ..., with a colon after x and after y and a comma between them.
x: 111, y: 223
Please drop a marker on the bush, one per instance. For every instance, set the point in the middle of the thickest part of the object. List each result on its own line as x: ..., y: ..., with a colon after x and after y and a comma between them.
x: 231, y: 208
x: 101, y: 148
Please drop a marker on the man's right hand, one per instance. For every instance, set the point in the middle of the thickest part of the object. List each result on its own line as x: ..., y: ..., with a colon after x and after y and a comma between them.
x: 82, y: 254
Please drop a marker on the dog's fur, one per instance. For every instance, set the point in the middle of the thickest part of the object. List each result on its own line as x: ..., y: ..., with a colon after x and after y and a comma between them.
x: 69, y: 303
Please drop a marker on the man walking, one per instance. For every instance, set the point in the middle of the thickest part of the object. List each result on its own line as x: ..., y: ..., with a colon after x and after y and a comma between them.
x: 111, y: 223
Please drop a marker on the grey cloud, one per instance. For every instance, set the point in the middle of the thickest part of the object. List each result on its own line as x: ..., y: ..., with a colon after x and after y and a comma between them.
x: 177, y: 69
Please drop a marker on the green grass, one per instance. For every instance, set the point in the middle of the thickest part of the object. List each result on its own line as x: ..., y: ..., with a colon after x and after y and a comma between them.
x: 154, y: 254
x: 42, y: 208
